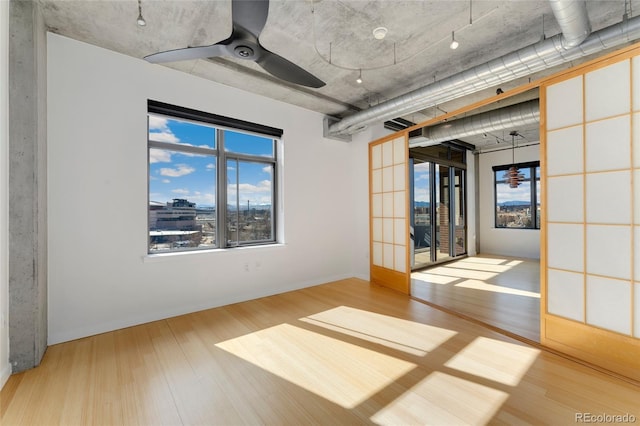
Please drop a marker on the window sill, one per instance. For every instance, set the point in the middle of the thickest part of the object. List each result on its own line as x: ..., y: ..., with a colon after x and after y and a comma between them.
x: 161, y: 257
x: 516, y: 229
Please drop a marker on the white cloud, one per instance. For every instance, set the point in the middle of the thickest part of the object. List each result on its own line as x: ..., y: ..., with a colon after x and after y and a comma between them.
x: 421, y: 176
x: 421, y: 167
x: 158, y: 123
x: 267, y: 169
x: 180, y: 170
x: 521, y: 193
x: 421, y: 194
x: 166, y: 181
x: 211, y: 166
x: 167, y: 136
x: 180, y: 191
x: 159, y: 156
x: 159, y: 130
x: 248, y: 188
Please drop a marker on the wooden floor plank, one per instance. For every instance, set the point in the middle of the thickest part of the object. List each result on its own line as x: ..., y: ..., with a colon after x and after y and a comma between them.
x: 341, y: 353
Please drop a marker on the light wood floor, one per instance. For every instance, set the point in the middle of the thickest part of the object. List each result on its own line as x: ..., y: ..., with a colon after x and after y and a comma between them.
x: 341, y: 353
x: 500, y: 291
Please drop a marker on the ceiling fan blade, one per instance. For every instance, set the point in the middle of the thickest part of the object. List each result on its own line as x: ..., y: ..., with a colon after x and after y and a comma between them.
x: 250, y: 14
x: 187, y: 53
x: 288, y: 71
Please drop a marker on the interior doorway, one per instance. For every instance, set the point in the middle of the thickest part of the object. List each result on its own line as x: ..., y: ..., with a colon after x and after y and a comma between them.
x: 501, y: 290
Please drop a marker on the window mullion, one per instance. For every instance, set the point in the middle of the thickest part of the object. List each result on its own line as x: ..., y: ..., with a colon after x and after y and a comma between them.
x: 181, y: 147
x: 237, y: 202
x: 221, y: 193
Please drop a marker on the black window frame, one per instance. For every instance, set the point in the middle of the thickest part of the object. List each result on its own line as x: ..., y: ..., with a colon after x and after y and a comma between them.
x: 534, y: 179
x: 221, y: 125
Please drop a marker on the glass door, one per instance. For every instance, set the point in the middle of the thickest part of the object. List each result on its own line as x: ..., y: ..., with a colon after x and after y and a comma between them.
x: 459, y: 215
x: 421, y: 213
x: 438, y: 218
x: 443, y: 213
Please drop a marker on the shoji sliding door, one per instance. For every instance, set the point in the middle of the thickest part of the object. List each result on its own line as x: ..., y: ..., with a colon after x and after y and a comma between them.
x: 388, y: 201
x: 591, y: 221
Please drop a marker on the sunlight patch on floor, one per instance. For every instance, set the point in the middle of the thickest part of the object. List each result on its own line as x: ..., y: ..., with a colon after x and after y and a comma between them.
x: 462, y: 273
x: 407, y: 336
x: 495, y: 360
x: 442, y: 399
x: 487, y: 260
x: 482, y: 267
x: 343, y: 373
x: 433, y: 278
x: 480, y: 285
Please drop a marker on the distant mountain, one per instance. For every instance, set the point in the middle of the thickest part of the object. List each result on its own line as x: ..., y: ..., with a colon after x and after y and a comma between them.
x: 231, y: 207
x: 513, y: 203
x: 421, y: 204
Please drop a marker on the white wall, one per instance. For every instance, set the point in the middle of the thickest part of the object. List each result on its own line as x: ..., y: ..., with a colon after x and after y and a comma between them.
x: 503, y: 241
x: 5, y: 367
x: 100, y: 277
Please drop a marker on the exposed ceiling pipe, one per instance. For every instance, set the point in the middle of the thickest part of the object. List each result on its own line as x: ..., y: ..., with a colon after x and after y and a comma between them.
x: 525, y: 113
x: 573, y: 21
x: 521, y: 63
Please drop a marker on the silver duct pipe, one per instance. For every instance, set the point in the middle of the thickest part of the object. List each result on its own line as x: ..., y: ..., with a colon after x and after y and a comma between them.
x: 573, y: 21
x: 536, y: 57
x: 513, y: 116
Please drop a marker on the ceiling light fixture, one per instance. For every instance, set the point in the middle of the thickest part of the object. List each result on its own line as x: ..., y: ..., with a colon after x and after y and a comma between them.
x: 380, y: 33
x: 454, y: 43
x: 513, y: 177
x: 141, y: 22
x: 359, y: 79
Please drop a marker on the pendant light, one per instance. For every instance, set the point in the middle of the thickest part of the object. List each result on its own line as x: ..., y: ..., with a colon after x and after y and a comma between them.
x: 140, y: 21
x: 454, y: 43
x: 513, y: 176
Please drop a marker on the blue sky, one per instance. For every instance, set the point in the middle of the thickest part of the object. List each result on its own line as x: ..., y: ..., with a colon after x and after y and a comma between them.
x: 522, y: 193
x: 192, y: 176
x: 421, y: 182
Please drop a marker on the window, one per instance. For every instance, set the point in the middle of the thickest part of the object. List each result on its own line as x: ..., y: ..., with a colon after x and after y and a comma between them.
x: 211, y: 180
x: 518, y: 207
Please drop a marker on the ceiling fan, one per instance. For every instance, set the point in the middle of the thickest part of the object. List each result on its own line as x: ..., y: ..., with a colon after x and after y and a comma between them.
x: 249, y: 18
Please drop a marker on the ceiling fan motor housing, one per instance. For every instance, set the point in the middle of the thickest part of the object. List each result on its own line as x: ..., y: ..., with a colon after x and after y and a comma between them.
x: 244, y: 52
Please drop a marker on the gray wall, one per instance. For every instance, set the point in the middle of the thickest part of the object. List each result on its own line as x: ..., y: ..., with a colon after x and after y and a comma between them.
x: 27, y: 186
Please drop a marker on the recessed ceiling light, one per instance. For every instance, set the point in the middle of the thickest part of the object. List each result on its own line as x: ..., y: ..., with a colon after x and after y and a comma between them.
x: 380, y: 33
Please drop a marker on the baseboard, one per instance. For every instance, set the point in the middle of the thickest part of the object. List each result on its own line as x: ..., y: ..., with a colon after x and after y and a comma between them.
x: 94, y: 329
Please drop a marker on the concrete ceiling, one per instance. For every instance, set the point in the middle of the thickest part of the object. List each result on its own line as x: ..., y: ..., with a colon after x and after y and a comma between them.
x: 333, y: 40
